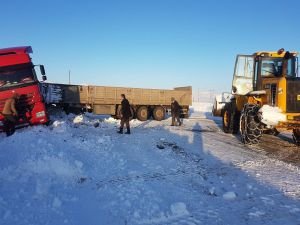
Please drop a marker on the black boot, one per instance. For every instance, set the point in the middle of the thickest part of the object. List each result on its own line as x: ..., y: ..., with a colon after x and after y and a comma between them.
x: 128, y: 131
x: 120, y: 131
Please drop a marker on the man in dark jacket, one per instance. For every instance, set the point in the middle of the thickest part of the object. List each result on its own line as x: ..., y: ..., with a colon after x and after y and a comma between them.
x: 175, y: 111
x: 125, y: 114
x: 10, y: 114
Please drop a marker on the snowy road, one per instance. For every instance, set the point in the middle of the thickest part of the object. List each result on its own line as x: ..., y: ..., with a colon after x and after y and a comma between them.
x: 75, y: 173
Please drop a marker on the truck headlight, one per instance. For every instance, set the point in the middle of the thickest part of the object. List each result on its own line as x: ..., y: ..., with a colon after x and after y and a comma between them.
x: 40, y: 114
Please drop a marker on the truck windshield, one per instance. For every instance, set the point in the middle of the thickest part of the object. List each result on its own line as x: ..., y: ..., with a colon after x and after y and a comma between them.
x: 16, y: 75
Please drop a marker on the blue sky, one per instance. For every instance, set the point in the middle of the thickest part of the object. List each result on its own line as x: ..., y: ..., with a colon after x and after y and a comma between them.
x: 148, y: 43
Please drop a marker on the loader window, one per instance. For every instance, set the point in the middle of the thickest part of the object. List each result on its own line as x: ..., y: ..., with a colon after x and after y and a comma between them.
x: 16, y: 75
x: 243, y: 75
x: 291, y: 67
x: 271, y: 67
x: 244, y: 67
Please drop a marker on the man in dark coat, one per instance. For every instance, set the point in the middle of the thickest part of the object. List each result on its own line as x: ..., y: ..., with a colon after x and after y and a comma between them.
x: 175, y: 111
x: 125, y: 114
x: 10, y: 114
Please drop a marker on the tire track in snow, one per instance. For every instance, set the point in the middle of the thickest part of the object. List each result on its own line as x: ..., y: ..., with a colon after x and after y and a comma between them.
x: 148, y: 177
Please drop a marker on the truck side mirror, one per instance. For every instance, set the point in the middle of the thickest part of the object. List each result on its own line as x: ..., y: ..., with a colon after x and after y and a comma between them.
x: 42, y: 69
x: 44, y: 77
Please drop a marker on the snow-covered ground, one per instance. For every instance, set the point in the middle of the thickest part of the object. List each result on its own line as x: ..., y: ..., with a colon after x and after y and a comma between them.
x: 80, y: 171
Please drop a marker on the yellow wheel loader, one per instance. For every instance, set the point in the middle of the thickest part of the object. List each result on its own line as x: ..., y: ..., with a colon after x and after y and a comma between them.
x: 265, y: 96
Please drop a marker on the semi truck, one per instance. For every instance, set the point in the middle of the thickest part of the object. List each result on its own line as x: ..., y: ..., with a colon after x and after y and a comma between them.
x: 18, y: 75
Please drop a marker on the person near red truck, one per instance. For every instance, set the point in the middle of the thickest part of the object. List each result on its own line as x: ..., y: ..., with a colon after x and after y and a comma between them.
x: 10, y: 114
x: 175, y: 112
x: 125, y: 114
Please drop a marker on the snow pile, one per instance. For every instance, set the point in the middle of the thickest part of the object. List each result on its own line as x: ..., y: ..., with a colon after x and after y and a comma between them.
x: 111, y: 120
x: 72, y: 172
x: 78, y: 119
x: 179, y: 209
x: 201, y: 107
x: 54, y: 166
x: 257, y: 214
x: 271, y: 116
x: 59, y: 126
x: 229, y: 196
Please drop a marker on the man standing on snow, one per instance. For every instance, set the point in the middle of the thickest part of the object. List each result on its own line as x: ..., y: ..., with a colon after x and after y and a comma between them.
x: 10, y: 114
x: 125, y: 114
x: 175, y: 111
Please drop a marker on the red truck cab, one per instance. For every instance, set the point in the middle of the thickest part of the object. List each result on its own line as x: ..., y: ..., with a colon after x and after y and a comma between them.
x: 17, y: 74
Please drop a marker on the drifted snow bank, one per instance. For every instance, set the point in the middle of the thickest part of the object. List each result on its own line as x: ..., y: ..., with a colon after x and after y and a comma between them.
x: 201, y: 107
x: 73, y: 172
x: 271, y: 116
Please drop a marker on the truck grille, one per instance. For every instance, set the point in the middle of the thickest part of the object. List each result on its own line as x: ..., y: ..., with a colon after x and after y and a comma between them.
x: 24, y: 104
x: 293, y: 89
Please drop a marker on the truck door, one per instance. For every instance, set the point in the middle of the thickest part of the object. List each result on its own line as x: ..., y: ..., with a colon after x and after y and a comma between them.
x: 243, y: 78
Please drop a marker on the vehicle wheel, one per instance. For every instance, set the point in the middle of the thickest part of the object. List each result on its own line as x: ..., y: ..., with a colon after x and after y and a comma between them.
x: 250, y: 126
x: 66, y: 109
x: 230, y: 120
x: 214, y: 108
x: 186, y: 113
x: 142, y: 113
x: 159, y: 113
x: 226, y: 119
x: 118, y: 114
x: 296, y: 136
x: 132, y: 113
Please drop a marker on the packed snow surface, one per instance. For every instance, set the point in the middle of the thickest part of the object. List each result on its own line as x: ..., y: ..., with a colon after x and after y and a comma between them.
x: 74, y: 172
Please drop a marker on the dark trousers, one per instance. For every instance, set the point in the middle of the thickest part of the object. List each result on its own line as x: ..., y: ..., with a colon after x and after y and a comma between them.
x: 175, y: 117
x: 9, y: 124
x: 126, y: 122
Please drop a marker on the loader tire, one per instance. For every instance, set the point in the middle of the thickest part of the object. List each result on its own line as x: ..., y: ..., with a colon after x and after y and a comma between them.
x: 296, y: 136
x: 250, y: 126
x: 230, y: 119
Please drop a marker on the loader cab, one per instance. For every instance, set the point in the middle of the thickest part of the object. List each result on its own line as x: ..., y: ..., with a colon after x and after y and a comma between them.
x: 277, y: 67
x: 253, y: 71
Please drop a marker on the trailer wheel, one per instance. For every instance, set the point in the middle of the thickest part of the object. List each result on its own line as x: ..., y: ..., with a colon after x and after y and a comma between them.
x: 185, y: 113
x: 132, y: 112
x: 142, y: 113
x: 159, y: 113
x: 250, y: 126
x: 118, y: 114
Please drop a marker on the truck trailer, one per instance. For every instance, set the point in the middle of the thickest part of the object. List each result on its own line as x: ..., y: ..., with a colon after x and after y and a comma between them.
x: 145, y: 103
